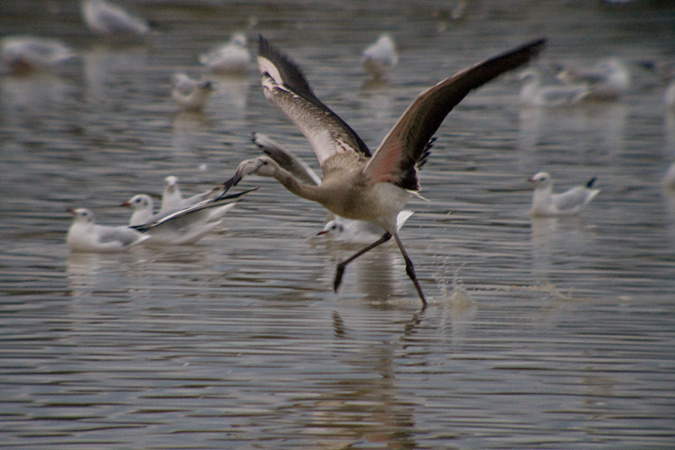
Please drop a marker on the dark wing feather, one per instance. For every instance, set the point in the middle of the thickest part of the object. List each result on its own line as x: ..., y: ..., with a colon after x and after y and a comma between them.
x: 287, y: 88
x: 397, y: 156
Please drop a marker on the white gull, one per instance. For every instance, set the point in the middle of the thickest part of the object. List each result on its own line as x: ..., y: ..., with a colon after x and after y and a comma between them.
x: 568, y: 203
x: 532, y: 93
x: 380, y: 57
x: 25, y: 54
x: 230, y: 58
x: 107, y: 19
x: 190, y: 94
x: 85, y: 235
x: 607, y: 79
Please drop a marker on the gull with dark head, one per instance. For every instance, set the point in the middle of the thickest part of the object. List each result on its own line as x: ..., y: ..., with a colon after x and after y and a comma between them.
x: 356, y: 185
x: 568, y: 203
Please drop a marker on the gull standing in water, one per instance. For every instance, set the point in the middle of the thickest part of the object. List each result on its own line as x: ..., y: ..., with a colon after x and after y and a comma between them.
x: 532, y: 93
x: 338, y: 228
x: 380, y: 57
x: 26, y: 54
x: 190, y: 94
x: 107, y: 19
x: 356, y: 185
x: 230, y: 58
x: 608, y: 79
x: 183, y: 226
x: 546, y: 203
x: 85, y: 235
x: 172, y: 196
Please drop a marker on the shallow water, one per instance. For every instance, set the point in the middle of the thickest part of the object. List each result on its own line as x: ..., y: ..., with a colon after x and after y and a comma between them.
x: 548, y: 333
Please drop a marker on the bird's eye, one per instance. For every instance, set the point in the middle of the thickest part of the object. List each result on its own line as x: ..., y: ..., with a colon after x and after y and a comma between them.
x: 334, y: 227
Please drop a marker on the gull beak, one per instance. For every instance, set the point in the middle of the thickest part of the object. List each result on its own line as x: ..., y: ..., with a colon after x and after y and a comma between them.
x: 321, y: 232
x: 70, y: 211
x: 125, y: 204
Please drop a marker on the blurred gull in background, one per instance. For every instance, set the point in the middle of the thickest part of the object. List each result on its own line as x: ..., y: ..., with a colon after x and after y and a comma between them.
x: 190, y: 94
x: 230, y: 58
x: 172, y: 196
x: 532, y: 93
x: 85, y: 235
x: 26, y: 54
x: 379, y: 58
x: 107, y: 19
x: 546, y: 203
x: 182, y: 226
x: 607, y: 79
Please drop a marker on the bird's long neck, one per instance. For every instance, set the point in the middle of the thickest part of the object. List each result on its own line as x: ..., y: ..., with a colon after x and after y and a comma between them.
x: 306, y: 191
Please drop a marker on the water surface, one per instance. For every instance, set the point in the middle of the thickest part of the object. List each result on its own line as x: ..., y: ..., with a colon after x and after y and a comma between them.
x: 548, y: 333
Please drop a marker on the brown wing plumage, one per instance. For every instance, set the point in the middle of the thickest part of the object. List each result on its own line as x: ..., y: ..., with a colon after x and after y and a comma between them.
x: 396, y: 158
x: 286, y: 86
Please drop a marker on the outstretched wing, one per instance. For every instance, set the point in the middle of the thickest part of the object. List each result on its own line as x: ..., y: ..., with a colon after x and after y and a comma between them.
x: 397, y: 156
x: 285, y: 86
x: 206, y: 204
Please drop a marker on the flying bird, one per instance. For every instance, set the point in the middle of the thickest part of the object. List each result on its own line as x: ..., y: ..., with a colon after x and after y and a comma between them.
x: 336, y: 227
x: 356, y: 185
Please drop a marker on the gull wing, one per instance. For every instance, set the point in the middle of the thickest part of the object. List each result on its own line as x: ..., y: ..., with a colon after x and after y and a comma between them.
x: 397, y: 156
x: 286, y: 87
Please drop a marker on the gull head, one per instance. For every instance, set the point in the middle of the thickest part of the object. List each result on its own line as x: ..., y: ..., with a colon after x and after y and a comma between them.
x: 82, y: 215
x: 171, y: 183
x: 540, y: 179
x: 139, y: 202
x: 332, y: 226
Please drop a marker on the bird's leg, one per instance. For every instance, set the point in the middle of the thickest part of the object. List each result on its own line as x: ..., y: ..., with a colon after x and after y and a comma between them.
x: 410, y: 269
x: 341, y: 266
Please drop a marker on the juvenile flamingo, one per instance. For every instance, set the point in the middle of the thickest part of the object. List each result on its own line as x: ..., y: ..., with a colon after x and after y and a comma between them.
x: 356, y: 185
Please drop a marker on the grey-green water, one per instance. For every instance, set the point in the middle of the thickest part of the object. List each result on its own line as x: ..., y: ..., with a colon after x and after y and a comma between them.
x: 554, y: 333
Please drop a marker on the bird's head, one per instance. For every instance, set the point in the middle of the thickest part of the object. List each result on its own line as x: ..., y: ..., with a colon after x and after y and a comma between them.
x: 540, y: 179
x: 140, y: 201
x: 82, y: 215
